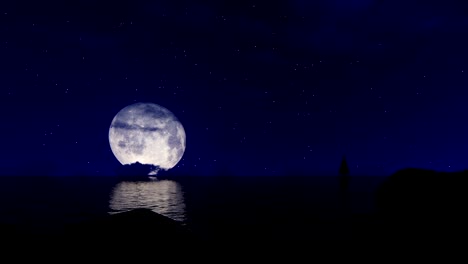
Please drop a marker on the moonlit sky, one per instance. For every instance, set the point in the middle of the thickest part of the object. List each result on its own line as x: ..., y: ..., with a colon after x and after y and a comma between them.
x: 261, y: 87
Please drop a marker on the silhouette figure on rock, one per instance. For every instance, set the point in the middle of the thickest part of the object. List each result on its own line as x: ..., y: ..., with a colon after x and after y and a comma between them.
x: 344, y: 175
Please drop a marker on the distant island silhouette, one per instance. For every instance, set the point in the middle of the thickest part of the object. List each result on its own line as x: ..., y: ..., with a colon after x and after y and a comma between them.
x: 135, y: 170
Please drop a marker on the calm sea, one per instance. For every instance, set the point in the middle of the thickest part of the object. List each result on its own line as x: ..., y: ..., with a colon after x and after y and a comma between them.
x: 210, y: 206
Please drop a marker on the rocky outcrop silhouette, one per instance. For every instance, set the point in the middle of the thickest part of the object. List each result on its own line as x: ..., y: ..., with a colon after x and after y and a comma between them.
x: 423, y: 205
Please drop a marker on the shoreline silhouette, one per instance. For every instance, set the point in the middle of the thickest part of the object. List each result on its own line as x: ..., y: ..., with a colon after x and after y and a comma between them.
x: 411, y: 206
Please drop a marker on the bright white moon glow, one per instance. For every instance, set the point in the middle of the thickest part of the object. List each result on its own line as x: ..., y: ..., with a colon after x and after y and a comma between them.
x: 149, y: 134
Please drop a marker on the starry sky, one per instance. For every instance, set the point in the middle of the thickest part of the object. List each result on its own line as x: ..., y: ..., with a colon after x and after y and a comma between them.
x: 261, y: 87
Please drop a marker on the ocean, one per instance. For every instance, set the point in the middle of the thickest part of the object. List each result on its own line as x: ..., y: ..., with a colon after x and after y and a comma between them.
x: 212, y: 207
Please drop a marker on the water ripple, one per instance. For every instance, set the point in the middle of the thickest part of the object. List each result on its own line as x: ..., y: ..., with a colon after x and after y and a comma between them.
x: 163, y: 196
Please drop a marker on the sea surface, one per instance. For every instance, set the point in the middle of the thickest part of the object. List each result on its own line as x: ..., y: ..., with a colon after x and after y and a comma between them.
x: 210, y: 206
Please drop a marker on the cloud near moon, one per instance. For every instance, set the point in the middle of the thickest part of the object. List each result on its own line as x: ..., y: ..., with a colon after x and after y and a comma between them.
x: 149, y: 134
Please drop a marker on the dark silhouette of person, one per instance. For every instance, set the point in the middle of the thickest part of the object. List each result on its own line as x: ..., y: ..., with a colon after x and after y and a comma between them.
x: 344, y: 175
x: 343, y: 180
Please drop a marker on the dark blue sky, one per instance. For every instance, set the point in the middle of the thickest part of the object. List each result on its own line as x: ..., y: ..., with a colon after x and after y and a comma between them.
x: 261, y: 87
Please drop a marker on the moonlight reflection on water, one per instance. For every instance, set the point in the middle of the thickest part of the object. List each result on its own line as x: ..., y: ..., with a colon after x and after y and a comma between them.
x: 163, y: 197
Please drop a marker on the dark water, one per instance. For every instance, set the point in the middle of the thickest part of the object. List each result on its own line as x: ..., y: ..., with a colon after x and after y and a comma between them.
x: 210, y: 206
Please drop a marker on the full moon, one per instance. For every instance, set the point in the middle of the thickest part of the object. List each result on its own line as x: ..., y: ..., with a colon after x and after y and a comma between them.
x: 149, y: 134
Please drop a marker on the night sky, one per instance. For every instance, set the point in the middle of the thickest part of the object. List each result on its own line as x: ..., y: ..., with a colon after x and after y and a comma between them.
x: 261, y: 87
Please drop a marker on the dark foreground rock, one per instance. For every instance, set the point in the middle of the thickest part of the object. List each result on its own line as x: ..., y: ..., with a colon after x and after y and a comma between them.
x: 139, y: 230
x: 136, y: 228
x: 418, y: 206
